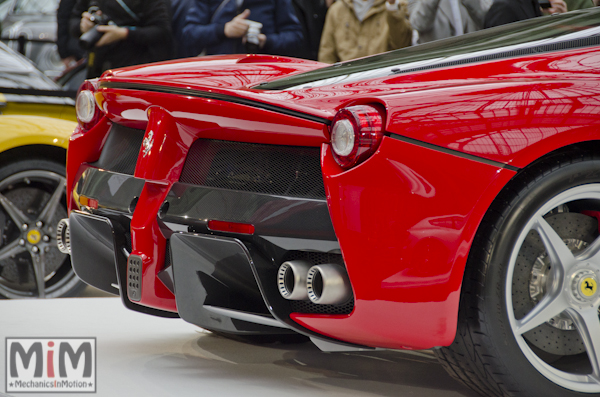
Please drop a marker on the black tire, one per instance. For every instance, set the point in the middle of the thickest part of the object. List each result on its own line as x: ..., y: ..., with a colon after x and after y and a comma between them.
x: 32, y: 201
x: 509, y: 273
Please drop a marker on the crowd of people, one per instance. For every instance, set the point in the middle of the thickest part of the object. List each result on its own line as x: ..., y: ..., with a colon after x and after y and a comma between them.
x: 117, y: 33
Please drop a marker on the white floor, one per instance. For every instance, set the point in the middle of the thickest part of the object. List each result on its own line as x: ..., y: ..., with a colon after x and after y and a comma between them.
x: 141, y: 355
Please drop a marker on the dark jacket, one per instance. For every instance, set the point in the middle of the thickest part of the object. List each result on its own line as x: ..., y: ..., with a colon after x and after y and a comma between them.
x: 507, y: 11
x: 205, y: 29
x: 67, y: 44
x: 311, y: 14
x: 149, y: 39
x: 179, y: 10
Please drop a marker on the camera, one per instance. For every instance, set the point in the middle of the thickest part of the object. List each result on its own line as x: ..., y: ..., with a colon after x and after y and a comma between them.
x: 252, y: 36
x: 88, y: 40
x: 545, y: 4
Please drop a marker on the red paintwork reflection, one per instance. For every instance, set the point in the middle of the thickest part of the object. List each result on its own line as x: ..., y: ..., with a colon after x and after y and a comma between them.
x: 510, y: 110
x: 214, y: 119
x: 513, y: 123
x: 149, y: 243
x: 160, y: 162
x: 83, y: 147
x: 229, y: 71
x: 405, y: 227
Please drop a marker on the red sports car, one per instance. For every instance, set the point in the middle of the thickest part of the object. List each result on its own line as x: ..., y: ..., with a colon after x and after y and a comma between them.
x: 443, y: 196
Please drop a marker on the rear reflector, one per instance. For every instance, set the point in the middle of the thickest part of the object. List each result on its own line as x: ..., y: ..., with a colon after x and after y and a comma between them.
x: 88, y: 202
x: 231, y: 227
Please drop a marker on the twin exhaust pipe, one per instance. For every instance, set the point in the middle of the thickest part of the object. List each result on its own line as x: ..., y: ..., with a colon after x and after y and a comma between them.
x: 325, y: 284
x: 63, y: 236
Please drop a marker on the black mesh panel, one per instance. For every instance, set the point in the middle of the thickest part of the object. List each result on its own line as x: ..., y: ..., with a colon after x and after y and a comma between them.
x: 307, y: 307
x: 270, y: 169
x: 120, y: 152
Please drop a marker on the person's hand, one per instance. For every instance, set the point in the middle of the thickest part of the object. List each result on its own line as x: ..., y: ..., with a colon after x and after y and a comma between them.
x: 112, y: 34
x: 237, y: 27
x: 262, y: 40
x: 558, y: 7
x: 86, y: 23
x: 68, y: 61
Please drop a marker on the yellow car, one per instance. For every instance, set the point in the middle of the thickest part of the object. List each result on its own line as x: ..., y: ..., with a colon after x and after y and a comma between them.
x: 36, y: 119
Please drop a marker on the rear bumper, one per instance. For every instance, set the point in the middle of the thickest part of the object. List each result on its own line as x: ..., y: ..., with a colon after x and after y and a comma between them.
x: 404, y: 225
x: 219, y: 281
x: 99, y: 255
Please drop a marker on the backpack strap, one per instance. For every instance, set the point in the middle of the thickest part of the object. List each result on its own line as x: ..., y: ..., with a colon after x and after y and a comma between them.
x: 128, y: 10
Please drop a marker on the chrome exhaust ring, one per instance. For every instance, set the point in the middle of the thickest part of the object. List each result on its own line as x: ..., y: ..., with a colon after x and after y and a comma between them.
x: 63, y: 237
x: 328, y: 284
x: 291, y: 279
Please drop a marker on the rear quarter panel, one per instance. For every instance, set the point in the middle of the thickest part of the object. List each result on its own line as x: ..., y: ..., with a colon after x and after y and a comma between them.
x: 523, y: 110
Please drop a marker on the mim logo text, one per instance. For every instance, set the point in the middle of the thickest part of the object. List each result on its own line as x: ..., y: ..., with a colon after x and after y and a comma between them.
x: 51, y: 365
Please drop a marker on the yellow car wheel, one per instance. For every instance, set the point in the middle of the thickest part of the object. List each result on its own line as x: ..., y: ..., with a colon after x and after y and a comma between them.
x: 32, y: 201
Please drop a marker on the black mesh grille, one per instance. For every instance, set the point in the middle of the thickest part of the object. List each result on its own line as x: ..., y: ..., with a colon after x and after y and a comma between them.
x: 120, y: 152
x: 308, y: 307
x: 270, y: 169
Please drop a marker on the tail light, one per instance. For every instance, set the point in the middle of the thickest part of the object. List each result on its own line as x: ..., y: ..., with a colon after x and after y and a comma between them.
x: 88, y: 113
x: 232, y: 227
x: 356, y: 133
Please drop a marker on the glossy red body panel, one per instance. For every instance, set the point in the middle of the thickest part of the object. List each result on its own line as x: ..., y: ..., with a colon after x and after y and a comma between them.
x: 150, y: 244
x: 230, y: 74
x: 409, y: 262
x: 214, y: 119
x: 405, y: 218
x: 84, y: 146
x: 530, y: 99
x: 160, y: 166
x: 226, y: 71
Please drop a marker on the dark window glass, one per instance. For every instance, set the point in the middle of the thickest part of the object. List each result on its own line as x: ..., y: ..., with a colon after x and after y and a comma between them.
x: 503, y: 40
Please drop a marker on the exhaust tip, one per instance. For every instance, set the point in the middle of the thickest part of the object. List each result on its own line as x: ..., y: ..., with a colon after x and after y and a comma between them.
x: 291, y: 280
x: 63, y: 237
x: 328, y: 284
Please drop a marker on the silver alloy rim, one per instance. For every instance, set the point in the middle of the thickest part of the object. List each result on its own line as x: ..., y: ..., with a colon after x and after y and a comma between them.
x: 560, y: 297
x: 42, y: 225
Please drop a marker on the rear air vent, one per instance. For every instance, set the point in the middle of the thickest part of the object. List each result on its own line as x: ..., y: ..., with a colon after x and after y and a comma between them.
x: 120, y: 152
x: 270, y: 169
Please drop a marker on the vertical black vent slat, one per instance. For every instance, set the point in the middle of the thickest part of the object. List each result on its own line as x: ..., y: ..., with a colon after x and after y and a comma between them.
x: 120, y: 152
x: 270, y: 169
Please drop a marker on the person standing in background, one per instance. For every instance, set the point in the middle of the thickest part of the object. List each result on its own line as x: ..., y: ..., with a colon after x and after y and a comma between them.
x: 358, y: 28
x: 68, y: 46
x: 221, y: 27
x: 311, y: 14
x: 573, y: 5
x: 179, y: 11
x: 140, y: 32
x: 507, y: 11
x: 439, y: 19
